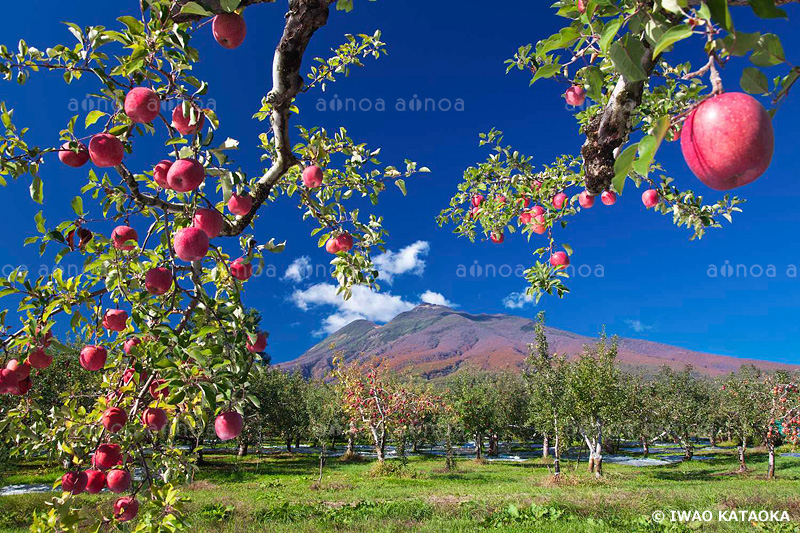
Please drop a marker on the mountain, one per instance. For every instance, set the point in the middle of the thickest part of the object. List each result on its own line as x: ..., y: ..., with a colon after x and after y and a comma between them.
x: 435, y: 341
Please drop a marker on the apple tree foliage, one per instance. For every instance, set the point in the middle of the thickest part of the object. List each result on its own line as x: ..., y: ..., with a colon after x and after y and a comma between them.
x: 620, y: 54
x: 192, y: 359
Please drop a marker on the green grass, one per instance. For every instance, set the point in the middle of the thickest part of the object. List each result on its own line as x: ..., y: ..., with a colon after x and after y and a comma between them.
x: 278, y: 494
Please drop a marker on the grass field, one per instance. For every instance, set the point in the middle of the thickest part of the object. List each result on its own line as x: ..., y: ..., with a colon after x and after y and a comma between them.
x: 278, y: 493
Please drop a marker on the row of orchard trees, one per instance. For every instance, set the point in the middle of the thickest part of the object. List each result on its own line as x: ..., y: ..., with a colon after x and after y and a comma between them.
x: 586, y: 400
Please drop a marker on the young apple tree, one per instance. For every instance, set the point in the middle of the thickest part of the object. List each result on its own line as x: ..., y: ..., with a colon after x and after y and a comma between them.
x: 166, y: 249
x: 546, y: 374
x: 632, y: 91
x: 595, y: 397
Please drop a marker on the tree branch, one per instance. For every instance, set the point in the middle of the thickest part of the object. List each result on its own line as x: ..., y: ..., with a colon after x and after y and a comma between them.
x: 142, y: 198
x: 304, y: 18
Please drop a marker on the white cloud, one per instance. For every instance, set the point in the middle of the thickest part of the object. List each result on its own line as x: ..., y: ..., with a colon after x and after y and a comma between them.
x: 365, y: 304
x: 517, y: 300
x: 638, y: 326
x: 435, y: 298
x: 299, y: 270
x: 410, y: 259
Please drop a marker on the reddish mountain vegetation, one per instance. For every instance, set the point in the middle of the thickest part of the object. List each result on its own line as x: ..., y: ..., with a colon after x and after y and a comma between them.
x: 435, y: 341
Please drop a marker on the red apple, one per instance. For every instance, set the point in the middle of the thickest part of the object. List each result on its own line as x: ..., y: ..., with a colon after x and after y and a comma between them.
x: 608, y: 198
x: 191, y: 244
x: 95, y: 481
x: 525, y: 218
x: 124, y: 238
x: 158, y: 389
x: 130, y: 344
x: 229, y: 30
x: 586, y: 200
x: 185, y: 175
x: 344, y: 242
x: 71, y: 158
x: 114, y: 419
x: 93, y: 358
x: 241, y: 270
x: 107, y: 456
x: 475, y: 211
x: 575, y: 96
x: 9, y: 383
x: 728, y: 141
x: 209, y: 220
x: 142, y: 105
x: 24, y: 386
x: 477, y: 200
x: 105, y: 150
x: 38, y: 358
x: 537, y: 210
x: 182, y: 123
x: 559, y: 200
x: 260, y: 345
x: 74, y: 482
x: 115, y: 320
x: 160, y: 173
x: 118, y: 480
x: 559, y: 260
x: 126, y: 508
x: 129, y: 373
x: 154, y: 418
x: 22, y: 370
x: 158, y: 281
x: 228, y: 425
x: 240, y: 205
x: 501, y: 199
x: 497, y: 237
x: 312, y: 177
x: 650, y: 198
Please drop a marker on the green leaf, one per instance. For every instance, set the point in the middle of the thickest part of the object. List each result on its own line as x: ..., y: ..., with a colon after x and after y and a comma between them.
x: 344, y: 5
x: 674, y: 6
x: 672, y: 36
x: 77, y: 205
x: 230, y: 5
x: 627, y: 59
x: 193, y: 8
x: 754, y: 81
x: 768, y: 52
x: 36, y: 188
x: 546, y: 71
x: 648, y: 147
x: 93, y: 117
x: 134, y: 25
x: 720, y: 13
x: 766, y: 9
x: 623, y: 166
x: 609, y: 32
x: 401, y: 184
x: 739, y: 43
x: 39, y: 220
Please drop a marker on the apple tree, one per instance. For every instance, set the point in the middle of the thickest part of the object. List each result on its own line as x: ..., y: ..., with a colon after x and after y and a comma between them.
x: 631, y: 92
x: 159, y: 301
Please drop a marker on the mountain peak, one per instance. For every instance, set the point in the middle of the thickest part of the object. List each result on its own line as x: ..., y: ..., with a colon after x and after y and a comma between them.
x: 435, y: 340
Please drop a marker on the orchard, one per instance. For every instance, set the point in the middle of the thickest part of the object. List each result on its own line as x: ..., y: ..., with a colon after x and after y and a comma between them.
x: 166, y: 251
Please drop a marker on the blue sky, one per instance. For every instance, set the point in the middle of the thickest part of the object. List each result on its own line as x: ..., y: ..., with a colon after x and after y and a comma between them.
x: 655, y: 284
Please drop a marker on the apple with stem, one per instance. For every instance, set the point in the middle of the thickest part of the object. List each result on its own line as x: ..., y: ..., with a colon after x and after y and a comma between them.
x: 728, y: 141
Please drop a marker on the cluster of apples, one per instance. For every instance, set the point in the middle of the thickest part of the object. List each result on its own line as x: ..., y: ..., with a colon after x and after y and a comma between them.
x: 108, y: 471
x: 15, y: 378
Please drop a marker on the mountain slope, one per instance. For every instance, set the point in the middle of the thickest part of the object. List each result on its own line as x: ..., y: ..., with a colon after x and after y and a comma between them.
x: 435, y: 340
